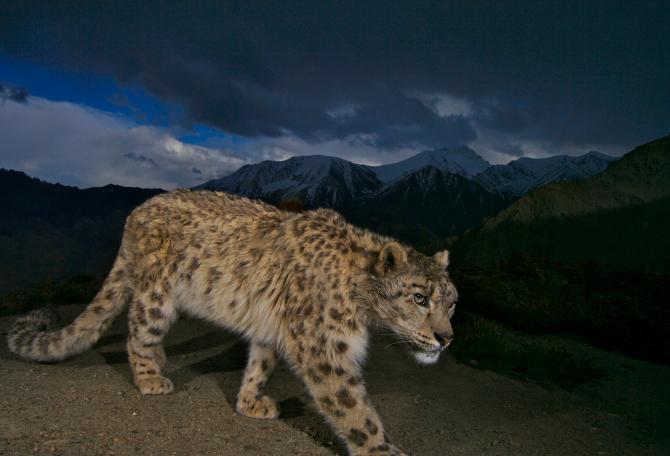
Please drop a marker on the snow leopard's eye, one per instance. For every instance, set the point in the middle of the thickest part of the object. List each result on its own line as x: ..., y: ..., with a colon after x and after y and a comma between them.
x: 420, y: 299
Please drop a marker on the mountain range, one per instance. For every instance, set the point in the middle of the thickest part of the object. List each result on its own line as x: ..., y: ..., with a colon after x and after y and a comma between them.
x: 421, y: 199
x: 321, y: 181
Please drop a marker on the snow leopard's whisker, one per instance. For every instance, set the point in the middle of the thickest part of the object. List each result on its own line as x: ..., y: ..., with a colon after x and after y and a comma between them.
x: 396, y: 343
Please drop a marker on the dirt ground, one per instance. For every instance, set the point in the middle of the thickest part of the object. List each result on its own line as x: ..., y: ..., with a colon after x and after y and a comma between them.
x: 88, y: 405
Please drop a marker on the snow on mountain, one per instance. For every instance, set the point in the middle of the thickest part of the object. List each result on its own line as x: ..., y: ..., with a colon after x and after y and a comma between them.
x: 459, y: 160
x: 316, y: 180
x: 518, y: 177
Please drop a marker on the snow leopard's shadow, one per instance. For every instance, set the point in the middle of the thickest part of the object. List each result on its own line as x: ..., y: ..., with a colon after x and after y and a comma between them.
x: 227, y: 362
x: 300, y: 414
x: 297, y: 410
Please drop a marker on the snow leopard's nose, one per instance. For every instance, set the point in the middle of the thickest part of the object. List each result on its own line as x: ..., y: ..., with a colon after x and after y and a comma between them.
x: 444, y: 339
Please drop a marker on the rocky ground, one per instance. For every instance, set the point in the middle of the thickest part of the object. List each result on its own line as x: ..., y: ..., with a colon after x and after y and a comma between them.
x: 88, y: 405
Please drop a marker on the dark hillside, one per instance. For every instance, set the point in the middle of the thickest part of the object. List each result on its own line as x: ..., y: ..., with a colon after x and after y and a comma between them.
x: 621, y: 216
x: 53, y: 231
x: 590, y: 258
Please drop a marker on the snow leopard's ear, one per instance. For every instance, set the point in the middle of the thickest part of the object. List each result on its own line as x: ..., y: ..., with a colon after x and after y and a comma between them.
x: 442, y: 258
x: 392, y: 256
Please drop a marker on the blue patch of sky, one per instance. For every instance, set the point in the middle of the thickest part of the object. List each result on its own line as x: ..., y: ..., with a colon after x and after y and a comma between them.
x: 106, y: 94
x: 205, y: 135
x: 90, y: 89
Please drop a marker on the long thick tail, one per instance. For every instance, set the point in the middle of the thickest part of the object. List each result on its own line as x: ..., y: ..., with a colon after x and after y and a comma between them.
x: 33, y: 335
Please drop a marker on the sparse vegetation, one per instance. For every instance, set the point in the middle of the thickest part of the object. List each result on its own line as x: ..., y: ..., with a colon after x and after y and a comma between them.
x: 483, y: 344
x: 611, y: 307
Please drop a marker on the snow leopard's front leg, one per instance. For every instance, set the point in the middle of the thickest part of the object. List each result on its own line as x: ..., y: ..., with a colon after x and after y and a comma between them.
x: 336, y: 386
x: 250, y: 400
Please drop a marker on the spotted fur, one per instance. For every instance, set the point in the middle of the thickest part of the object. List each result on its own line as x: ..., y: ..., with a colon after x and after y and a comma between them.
x: 301, y: 286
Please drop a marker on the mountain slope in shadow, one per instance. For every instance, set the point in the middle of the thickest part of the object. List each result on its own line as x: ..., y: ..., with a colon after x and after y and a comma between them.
x: 424, y: 207
x: 621, y: 216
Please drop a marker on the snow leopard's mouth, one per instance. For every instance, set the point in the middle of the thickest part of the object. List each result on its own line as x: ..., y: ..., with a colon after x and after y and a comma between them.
x: 427, y: 356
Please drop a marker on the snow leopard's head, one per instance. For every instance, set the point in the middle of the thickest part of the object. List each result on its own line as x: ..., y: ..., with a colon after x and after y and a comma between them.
x: 412, y: 295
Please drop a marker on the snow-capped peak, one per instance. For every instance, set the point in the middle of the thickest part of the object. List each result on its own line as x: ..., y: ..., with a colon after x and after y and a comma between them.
x: 315, y: 179
x: 459, y: 160
x: 520, y: 176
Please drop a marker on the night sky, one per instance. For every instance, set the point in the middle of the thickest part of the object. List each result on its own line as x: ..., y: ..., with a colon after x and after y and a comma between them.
x: 156, y: 95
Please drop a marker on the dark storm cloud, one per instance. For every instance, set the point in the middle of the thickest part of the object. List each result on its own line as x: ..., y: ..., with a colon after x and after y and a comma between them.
x: 561, y: 72
x: 398, y: 120
x: 141, y: 159
x: 17, y: 94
